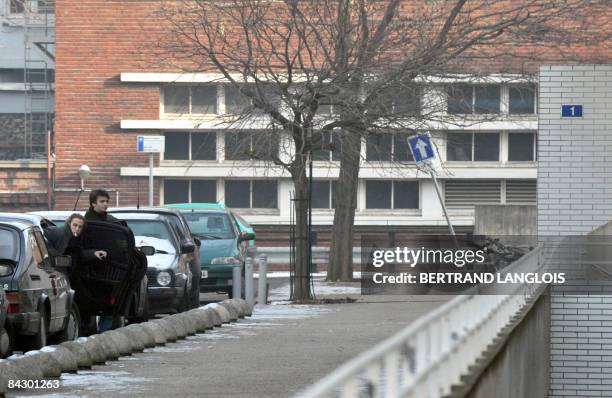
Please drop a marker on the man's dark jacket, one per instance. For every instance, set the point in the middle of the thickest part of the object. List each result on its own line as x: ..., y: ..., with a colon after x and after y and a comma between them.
x: 92, y: 215
x: 62, y: 242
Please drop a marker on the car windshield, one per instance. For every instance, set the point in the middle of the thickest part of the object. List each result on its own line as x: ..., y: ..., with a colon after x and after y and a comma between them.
x: 210, y: 225
x: 9, y: 245
x: 151, y: 228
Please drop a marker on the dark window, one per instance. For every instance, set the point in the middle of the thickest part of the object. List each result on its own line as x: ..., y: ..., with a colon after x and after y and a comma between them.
x: 264, y: 145
x: 405, y: 195
x: 486, y: 147
x: 407, y: 100
x: 237, y: 194
x: 204, y: 99
x: 177, y: 146
x: 401, y: 149
x: 522, y: 100
x: 17, y: 6
x: 237, y: 146
x: 327, y: 138
x: 265, y: 194
x: 378, y: 147
x: 176, y: 191
x: 46, y: 6
x: 459, y: 99
x: 176, y: 99
x: 203, y: 146
x: 487, y: 98
x: 378, y: 194
x: 203, y: 191
x: 521, y: 147
x: 459, y: 146
x: 235, y: 101
x: 320, y: 194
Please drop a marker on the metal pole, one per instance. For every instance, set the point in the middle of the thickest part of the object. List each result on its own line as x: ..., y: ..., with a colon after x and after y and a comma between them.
x: 310, y: 217
x: 248, y: 282
x: 236, y: 281
x: 151, y: 179
x: 262, y: 293
x: 450, y: 225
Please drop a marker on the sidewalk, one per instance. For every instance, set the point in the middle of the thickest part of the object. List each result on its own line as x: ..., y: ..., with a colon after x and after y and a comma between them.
x: 279, y: 351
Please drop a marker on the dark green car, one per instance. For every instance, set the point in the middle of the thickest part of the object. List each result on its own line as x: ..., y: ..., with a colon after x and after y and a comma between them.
x: 225, y: 242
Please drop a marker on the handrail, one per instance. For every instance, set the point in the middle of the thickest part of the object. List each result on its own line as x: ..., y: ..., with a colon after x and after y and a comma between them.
x: 416, y: 362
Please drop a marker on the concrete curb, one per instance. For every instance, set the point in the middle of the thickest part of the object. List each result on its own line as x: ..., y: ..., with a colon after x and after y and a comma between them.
x: 84, y: 352
x: 84, y: 360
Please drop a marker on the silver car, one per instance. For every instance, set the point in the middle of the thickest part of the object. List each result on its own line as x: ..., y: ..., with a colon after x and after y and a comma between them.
x: 41, y: 302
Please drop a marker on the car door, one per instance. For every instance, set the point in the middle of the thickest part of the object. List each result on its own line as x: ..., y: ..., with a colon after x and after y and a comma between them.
x: 45, y: 278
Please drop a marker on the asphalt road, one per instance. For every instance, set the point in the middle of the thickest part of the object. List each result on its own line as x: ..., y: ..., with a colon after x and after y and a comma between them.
x: 278, y: 352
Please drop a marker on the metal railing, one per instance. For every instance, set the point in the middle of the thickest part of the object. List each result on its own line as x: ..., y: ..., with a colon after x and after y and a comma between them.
x: 428, y: 358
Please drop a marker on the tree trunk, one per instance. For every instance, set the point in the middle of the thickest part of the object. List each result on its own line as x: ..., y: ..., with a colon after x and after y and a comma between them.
x: 341, y: 251
x: 301, y: 282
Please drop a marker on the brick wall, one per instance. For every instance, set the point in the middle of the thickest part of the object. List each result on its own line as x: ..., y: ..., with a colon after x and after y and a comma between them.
x: 574, y: 198
x: 23, y: 186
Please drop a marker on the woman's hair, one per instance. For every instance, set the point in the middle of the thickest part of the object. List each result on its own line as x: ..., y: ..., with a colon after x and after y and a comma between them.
x: 76, y: 215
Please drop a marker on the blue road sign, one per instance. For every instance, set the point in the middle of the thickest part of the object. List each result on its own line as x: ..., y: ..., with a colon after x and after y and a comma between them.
x: 140, y: 144
x: 421, y: 148
x: 571, y: 110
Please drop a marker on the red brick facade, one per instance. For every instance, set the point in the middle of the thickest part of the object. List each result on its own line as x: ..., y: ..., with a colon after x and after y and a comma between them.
x: 97, y: 40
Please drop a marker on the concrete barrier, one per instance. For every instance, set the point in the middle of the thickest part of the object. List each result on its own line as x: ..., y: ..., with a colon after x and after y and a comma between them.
x: 147, y: 336
x: 221, y: 311
x: 246, y: 309
x: 187, y: 322
x: 84, y: 360
x: 105, y: 344
x: 49, y: 366
x: 136, y: 339
x: 203, y: 319
x: 157, y: 331
x: 168, y: 330
x: 94, y: 348
x: 178, y: 325
x: 64, y: 356
x: 8, y: 371
x: 232, y: 308
x: 121, y: 341
x: 216, y: 319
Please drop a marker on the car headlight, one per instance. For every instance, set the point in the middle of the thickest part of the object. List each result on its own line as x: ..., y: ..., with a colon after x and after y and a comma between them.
x: 164, y: 278
x: 225, y: 260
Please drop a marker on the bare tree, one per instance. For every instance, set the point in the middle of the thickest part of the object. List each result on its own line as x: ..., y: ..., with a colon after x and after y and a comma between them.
x: 294, y: 60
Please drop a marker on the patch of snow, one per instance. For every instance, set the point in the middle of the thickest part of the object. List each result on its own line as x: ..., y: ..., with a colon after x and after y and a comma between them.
x: 321, y: 287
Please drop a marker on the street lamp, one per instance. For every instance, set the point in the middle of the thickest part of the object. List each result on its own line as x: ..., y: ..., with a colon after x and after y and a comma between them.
x: 84, y: 172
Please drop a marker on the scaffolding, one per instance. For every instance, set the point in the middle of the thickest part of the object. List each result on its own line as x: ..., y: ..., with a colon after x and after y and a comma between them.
x: 39, y: 38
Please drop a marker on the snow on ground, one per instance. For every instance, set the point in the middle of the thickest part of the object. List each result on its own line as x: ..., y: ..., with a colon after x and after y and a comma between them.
x: 280, y: 295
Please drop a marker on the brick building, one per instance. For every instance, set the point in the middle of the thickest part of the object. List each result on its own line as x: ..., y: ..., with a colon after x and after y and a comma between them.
x: 111, y: 88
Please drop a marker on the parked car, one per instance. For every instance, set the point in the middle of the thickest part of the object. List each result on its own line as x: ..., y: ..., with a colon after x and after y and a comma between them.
x: 41, y: 302
x: 36, y: 219
x: 186, y: 238
x: 168, y: 268
x: 138, y: 302
x: 6, y: 336
x: 224, y: 243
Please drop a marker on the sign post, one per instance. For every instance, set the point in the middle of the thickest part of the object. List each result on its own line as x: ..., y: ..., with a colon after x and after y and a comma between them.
x: 423, y: 153
x: 150, y: 144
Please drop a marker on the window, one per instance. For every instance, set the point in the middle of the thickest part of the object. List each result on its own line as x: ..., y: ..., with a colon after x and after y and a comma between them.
x: 46, y: 7
x: 521, y: 99
x: 464, y: 194
x: 388, y: 147
x: 203, y: 146
x: 246, y: 145
x: 404, y: 100
x: 17, y: 6
x: 521, y: 147
x: 327, y: 154
x: 479, y: 99
x: 246, y: 194
x: 472, y: 147
x: 208, y: 225
x: 183, y: 99
x: 323, y: 194
x: 9, y: 245
x: 392, y: 194
x: 235, y: 101
x: 190, y: 191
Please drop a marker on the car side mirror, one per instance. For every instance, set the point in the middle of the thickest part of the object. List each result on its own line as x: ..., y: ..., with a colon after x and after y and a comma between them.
x: 244, y: 236
x: 6, y: 269
x: 187, y: 248
x: 62, y: 262
x: 147, y: 250
x: 197, y: 241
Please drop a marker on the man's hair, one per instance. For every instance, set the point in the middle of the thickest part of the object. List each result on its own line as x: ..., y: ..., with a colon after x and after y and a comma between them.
x: 98, y: 193
x: 76, y: 215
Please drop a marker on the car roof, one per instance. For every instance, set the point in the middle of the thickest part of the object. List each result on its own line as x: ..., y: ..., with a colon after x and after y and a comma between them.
x: 55, y: 213
x: 17, y: 224
x: 197, y: 206
x: 30, y: 218
x: 140, y: 216
x: 150, y: 210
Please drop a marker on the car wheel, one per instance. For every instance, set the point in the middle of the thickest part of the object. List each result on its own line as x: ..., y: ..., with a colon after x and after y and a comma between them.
x: 185, y: 302
x: 143, y: 316
x: 195, y: 296
x: 39, y: 340
x: 6, y: 343
x: 73, y: 326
